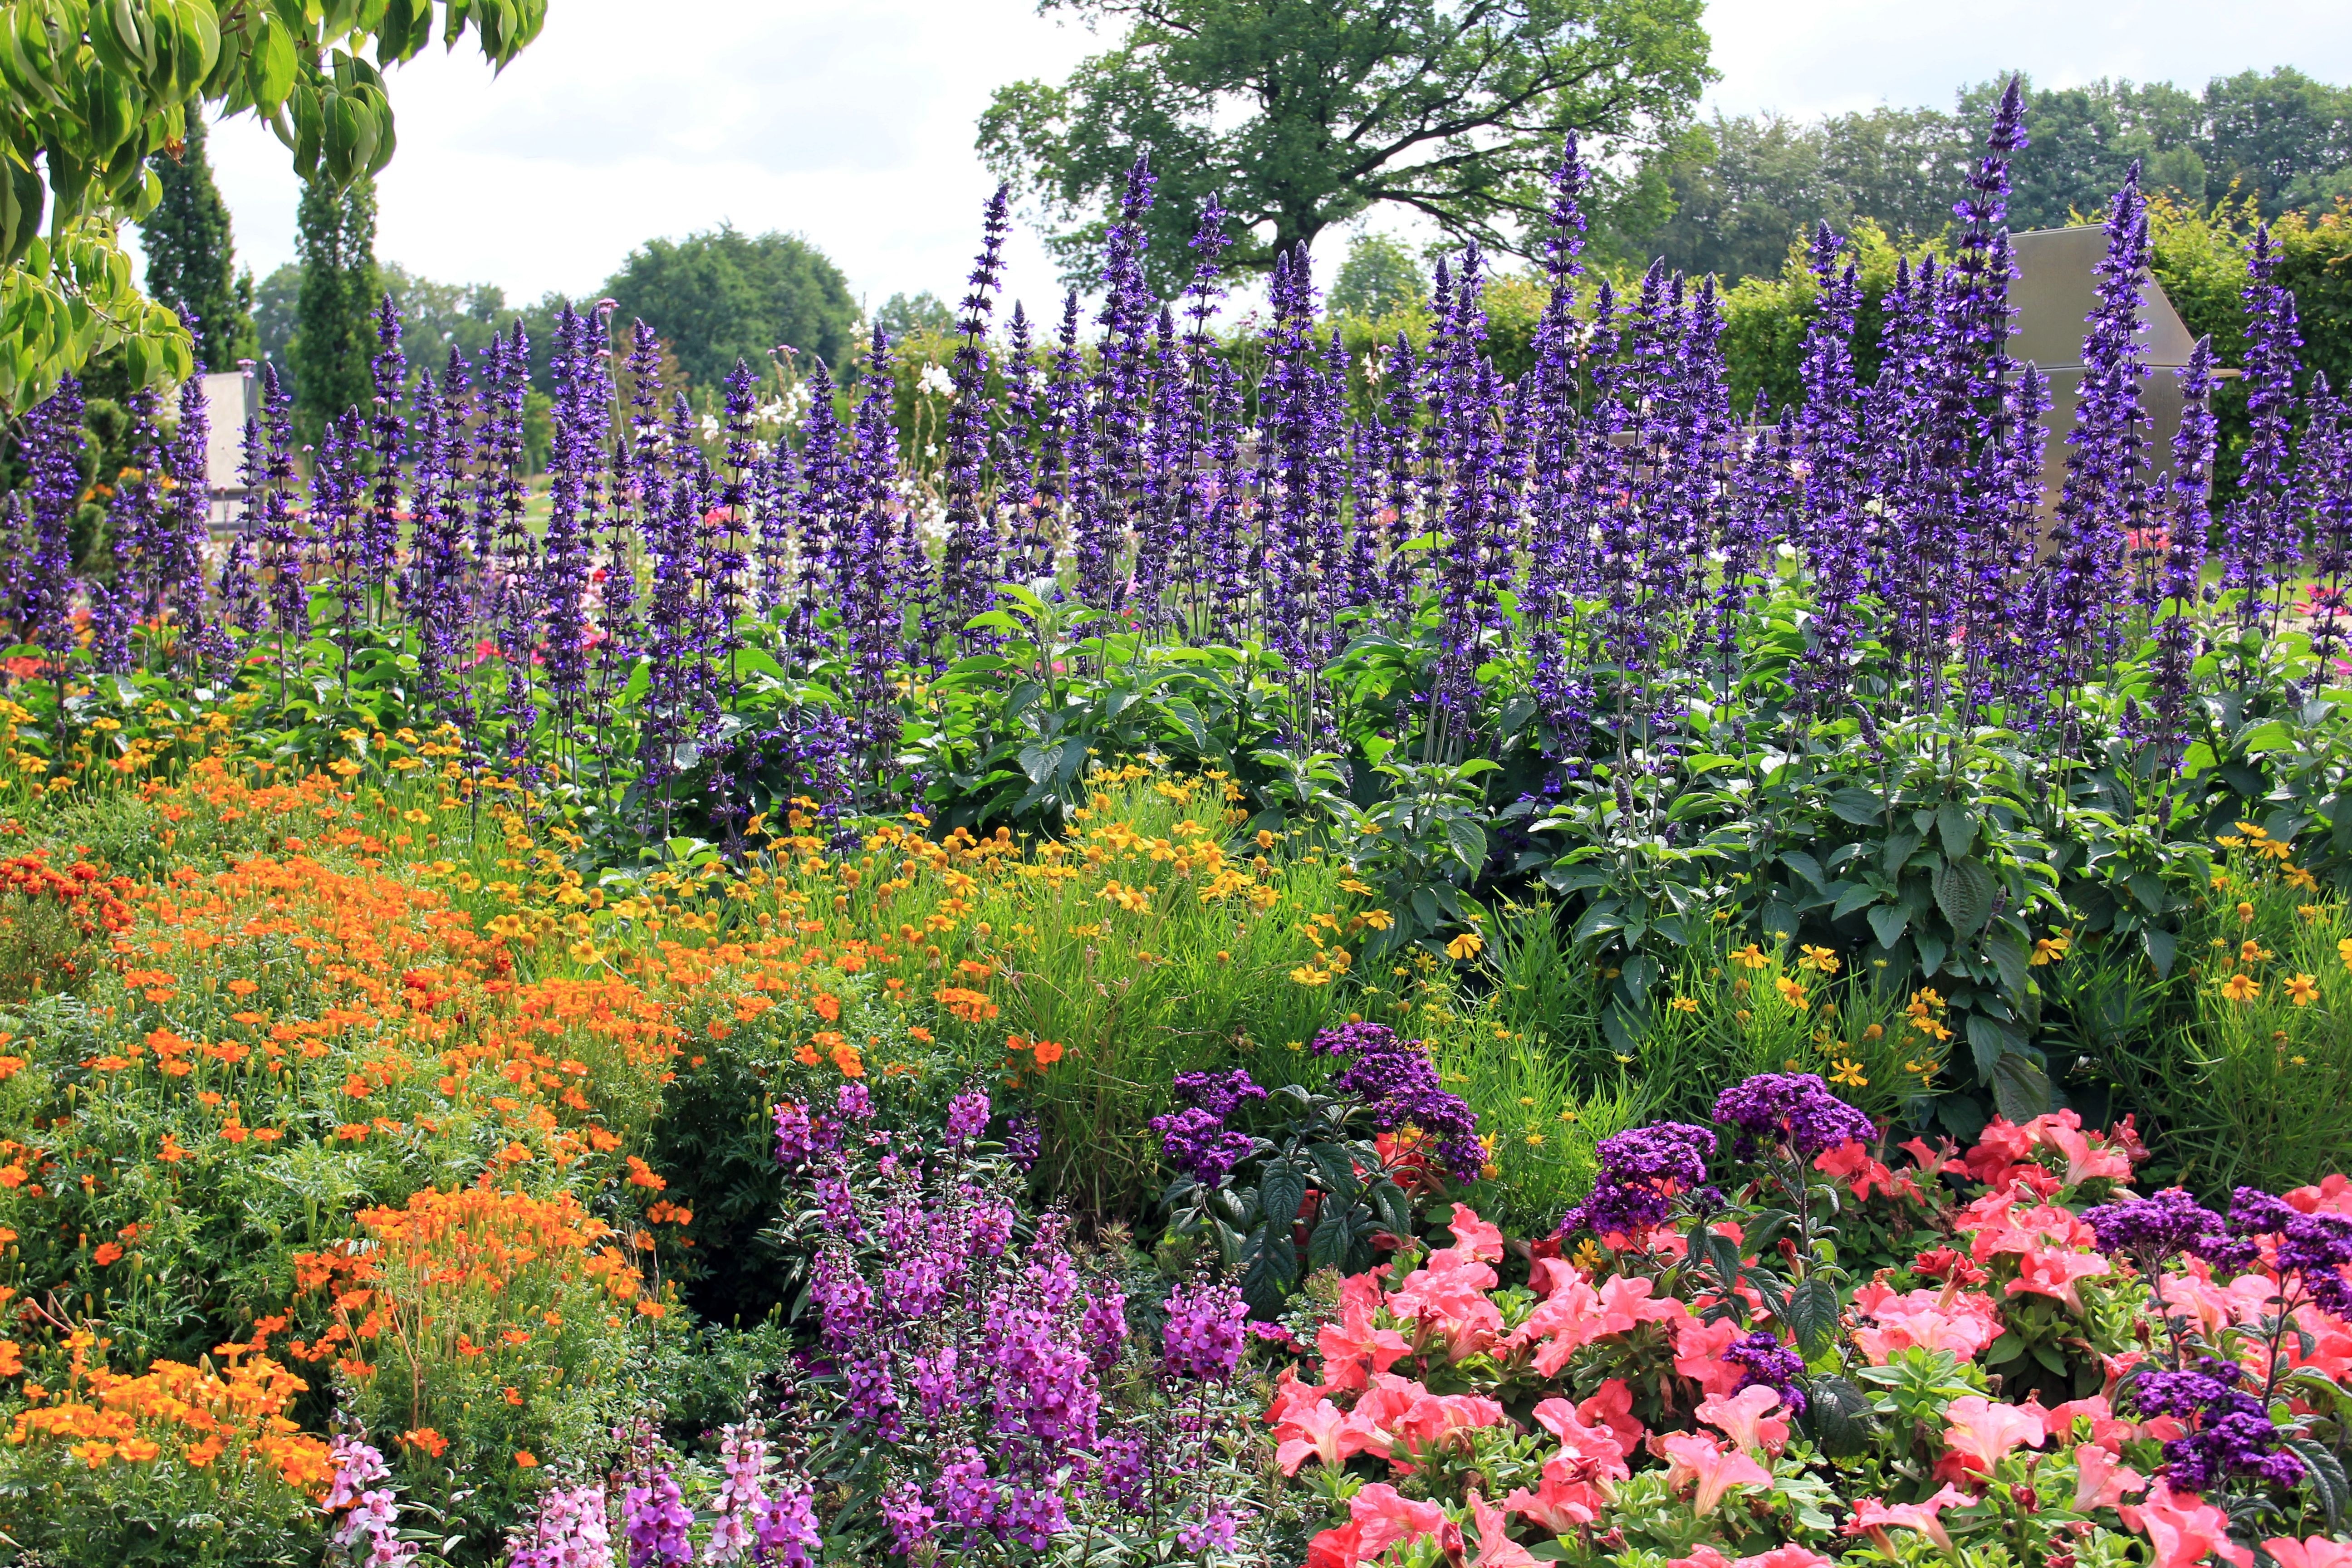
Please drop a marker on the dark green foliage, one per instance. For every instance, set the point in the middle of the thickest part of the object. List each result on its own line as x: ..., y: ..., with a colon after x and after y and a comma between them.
x: 725, y: 295
x: 334, y: 327
x: 1455, y: 113
x: 1745, y: 187
x: 1380, y: 277
x: 903, y: 315
x: 189, y: 257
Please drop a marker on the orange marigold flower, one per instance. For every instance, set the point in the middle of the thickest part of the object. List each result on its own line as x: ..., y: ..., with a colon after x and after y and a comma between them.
x: 107, y: 1253
x: 426, y: 1439
x: 526, y: 1459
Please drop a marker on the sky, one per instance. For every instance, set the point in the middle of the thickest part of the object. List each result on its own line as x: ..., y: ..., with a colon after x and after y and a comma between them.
x: 853, y: 123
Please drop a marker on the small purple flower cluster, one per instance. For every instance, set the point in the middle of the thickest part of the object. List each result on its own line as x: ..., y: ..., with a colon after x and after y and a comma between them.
x: 1793, y: 1111
x: 1642, y: 1170
x: 364, y: 1519
x: 2159, y: 1227
x: 1206, y: 1332
x: 570, y: 1531
x: 2308, y: 1250
x: 2229, y: 1432
x: 1195, y: 1138
x: 1399, y: 1085
x: 1768, y: 1363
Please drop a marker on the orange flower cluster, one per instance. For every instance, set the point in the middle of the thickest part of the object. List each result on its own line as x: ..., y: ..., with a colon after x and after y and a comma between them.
x: 95, y: 902
x: 195, y: 1415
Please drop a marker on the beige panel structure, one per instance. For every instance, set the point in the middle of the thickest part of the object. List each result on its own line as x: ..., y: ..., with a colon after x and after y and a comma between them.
x: 2057, y: 289
x: 231, y: 398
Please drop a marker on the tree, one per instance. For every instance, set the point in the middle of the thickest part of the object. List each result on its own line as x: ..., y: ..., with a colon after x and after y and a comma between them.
x: 191, y: 259
x: 2283, y: 138
x: 1300, y: 114
x: 1380, y: 277
x: 90, y: 93
x: 903, y: 315
x: 2082, y: 139
x: 334, y: 315
x: 726, y: 295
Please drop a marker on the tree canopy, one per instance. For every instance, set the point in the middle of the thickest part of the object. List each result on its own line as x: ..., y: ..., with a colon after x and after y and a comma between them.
x: 1380, y: 277
x: 1743, y: 188
x: 1296, y: 115
x: 726, y: 295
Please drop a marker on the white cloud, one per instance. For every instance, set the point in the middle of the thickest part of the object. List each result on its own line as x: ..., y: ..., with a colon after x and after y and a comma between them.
x: 1815, y: 56
x: 854, y: 124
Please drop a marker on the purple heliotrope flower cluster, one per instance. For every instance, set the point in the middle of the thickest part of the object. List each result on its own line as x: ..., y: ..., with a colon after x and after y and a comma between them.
x: 1400, y: 1086
x: 2308, y: 1251
x: 2230, y: 1432
x: 1194, y: 1138
x: 1642, y: 1170
x: 2155, y: 1227
x: 1788, y: 1110
x: 1766, y: 1362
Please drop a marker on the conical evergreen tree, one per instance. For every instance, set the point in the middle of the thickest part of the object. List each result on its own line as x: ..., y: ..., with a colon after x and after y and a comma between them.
x: 191, y: 257
x: 334, y: 317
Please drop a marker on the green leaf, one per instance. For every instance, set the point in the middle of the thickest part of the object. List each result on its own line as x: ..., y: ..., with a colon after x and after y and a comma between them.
x: 1964, y: 890
x: 2020, y: 1090
x: 1280, y: 1190
x: 1803, y: 865
x: 2009, y: 956
x: 1857, y: 806
x: 1813, y: 1312
x: 2159, y: 946
x: 1886, y: 923
x: 2324, y: 1471
x: 1957, y: 827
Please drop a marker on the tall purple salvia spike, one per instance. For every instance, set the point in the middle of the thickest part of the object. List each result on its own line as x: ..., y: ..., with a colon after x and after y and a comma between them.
x: 2187, y: 517
x: 2104, y: 504
x: 969, y: 560
x: 2262, y: 537
x: 2325, y: 469
x: 388, y: 439
x: 187, y: 527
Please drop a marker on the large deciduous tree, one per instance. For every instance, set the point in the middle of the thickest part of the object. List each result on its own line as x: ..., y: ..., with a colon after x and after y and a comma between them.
x: 726, y: 295
x: 1300, y: 114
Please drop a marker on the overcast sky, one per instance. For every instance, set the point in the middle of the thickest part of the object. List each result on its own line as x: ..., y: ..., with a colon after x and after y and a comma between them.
x: 853, y: 123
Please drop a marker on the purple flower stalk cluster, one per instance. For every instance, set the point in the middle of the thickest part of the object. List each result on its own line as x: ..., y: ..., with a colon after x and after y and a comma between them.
x: 1194, y: 1139
x: 1206, y: 1332
x: 1399, y: 1085
x: 1793, y: 1112
x: 974, y: 1362
x: 763, y: 1517
x: 1642, y: 1170
x: 571, y: 1530
x: 655, y: 1520
x: 364, y: 1520
x: 2230, y: 1432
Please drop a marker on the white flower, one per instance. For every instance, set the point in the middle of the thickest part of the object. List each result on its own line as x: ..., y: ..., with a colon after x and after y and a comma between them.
x: 1786, y: 550
x: 710, y: 427
x: 936, y: 381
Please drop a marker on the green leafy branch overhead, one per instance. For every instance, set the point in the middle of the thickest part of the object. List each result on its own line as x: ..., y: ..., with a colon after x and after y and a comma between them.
x: 90, y: 91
